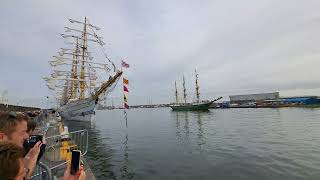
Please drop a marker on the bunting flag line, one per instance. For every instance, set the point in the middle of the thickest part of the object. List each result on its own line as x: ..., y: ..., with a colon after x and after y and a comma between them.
x: 125, y: 89
x: 125, y: 98
x: 125, y: 92
x: 125, y: 65
x: 125, y: 117
x: 125, y: 81
x: 126, y: 106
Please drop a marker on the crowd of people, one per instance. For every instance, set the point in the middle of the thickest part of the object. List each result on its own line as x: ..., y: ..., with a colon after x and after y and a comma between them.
x: 17, y: 162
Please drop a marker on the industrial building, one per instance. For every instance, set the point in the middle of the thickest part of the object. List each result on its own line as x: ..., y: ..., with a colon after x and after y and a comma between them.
x: 268, y: 100
x: 272, y: 100
x: 247, y: 98
x: 303, y: 100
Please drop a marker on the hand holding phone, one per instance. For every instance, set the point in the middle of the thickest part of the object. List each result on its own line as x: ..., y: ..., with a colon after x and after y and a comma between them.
x: 81, y: 175
x: 75, y: 161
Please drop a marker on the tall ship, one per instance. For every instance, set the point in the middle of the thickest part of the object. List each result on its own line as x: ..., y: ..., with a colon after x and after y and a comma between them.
x: 193, y: 106
x: 78, y: 80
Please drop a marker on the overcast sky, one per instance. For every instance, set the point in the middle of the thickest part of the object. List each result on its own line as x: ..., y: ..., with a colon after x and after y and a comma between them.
x: 237, y: 46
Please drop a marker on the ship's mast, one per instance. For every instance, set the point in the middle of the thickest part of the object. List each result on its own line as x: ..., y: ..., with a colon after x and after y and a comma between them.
x: 84, y: 49
x: 64, y: 97
x: 197, y: 87
x: 176, y: 93
x: 80, y: 79
x: 72, y: 83
x: 74, y: 74
x: 184, y: 91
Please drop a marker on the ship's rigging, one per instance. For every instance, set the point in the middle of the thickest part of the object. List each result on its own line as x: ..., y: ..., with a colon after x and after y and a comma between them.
x: 75, y: 74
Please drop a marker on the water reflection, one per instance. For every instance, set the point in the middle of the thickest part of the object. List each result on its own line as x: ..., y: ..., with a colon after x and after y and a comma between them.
x: 200, y: 134
x: 102, y: 153
x: 124, y: 170
x: 78, y: 125
x: 184, y: 128
x: 178, y: 131
x: 205, y: 145
x: 186, y: 125
x: 182, y: 125
x: 99, y: 153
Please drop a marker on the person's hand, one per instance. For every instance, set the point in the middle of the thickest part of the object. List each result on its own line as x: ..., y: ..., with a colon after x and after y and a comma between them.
x: 30, y: 159
x: 34, y: 152
x: 81, y: 175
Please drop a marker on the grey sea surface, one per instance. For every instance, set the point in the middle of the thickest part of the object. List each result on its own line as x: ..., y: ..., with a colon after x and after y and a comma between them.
x: 228, y: 144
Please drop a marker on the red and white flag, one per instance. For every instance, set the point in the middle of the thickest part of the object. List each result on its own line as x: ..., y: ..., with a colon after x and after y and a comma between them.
x: 125, y: 65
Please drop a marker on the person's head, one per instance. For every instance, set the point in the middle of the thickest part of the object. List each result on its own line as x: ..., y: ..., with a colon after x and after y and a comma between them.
x: 11, y: 162
x: 31, y: 127
x: 13, y: 128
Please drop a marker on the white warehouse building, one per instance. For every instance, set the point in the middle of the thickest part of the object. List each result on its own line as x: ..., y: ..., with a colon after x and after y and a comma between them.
x: 253, y: 97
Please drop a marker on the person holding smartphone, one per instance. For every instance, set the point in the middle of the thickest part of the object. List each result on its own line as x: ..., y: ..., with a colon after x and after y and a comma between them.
x: 81, y: 175
x: 13, y: 129
x: 74, y: 169
x: 12, y: 166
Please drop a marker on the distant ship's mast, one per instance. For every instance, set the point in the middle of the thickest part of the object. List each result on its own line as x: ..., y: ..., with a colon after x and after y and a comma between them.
x: 176, y: 93
x: 197, y: 87
x: 184, y: 91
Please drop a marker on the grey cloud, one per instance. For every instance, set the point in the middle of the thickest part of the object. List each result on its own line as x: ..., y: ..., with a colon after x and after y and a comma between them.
x: 236, y: 46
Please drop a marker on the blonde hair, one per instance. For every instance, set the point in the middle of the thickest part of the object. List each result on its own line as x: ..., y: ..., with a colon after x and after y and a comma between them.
x: 9, y: 121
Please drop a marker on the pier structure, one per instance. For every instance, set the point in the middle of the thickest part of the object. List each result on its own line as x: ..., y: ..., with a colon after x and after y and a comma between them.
x: 16, y: 108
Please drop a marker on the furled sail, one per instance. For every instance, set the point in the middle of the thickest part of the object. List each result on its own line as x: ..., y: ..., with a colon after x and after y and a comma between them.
x: 75, y: 73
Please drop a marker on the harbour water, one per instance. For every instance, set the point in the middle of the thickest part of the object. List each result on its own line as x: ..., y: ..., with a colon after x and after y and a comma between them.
x: 221, y: 144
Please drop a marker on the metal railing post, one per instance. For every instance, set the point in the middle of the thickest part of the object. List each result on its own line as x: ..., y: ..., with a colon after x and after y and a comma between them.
x: 43, y: 172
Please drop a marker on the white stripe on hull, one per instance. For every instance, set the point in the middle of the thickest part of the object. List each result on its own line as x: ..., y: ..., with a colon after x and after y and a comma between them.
x: 81, y: 110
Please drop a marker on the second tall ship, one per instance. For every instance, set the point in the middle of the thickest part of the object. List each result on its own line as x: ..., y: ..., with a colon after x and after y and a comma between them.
x: 193, y: 106
x: 76, y: 79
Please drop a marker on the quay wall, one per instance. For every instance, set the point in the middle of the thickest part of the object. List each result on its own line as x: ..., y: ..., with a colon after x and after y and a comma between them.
x: 9, y: 107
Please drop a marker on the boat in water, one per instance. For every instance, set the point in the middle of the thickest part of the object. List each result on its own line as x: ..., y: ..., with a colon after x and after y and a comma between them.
x: 193, y: 106
x: 79, y: 81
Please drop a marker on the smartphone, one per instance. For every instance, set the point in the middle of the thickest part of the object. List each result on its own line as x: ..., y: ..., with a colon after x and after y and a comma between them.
x: 75, y: 161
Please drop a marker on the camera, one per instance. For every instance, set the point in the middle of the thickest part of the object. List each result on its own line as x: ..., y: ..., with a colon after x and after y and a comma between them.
x: 29, y: 144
